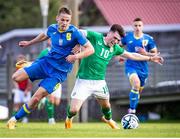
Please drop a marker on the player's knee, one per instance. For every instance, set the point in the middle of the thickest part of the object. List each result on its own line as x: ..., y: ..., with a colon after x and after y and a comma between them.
x: 106, y: 105
x: 136, y: 87
x: 74, y: 110
x: 15, y: 77
x: 57, y: 103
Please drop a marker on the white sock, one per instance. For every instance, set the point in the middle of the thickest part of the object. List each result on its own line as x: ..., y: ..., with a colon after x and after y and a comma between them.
x: 13, y: 119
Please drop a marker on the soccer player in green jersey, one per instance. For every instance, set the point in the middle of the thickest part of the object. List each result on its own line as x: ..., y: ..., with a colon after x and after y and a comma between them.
x: 91, y: 74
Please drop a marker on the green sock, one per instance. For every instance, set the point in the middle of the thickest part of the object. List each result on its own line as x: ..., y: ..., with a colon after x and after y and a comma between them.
x: 49, y: 108
x: 14, y: 113
x: 70, y: 114
x: 107, y: 113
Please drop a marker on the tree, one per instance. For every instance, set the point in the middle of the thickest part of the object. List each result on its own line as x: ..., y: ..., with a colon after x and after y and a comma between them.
x: 90, y: 14
x: 24, y: 14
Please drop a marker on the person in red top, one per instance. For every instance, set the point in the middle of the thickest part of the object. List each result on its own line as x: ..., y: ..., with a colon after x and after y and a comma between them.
x: 22, y: 91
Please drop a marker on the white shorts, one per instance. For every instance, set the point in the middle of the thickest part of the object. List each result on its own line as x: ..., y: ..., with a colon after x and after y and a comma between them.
x: 57, y: 93
x: 20, y: 97
x: 85, y: 88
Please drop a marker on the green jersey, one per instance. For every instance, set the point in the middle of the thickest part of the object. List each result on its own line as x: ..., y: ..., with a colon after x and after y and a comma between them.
x: 43, y: 52
x: 94, y: 66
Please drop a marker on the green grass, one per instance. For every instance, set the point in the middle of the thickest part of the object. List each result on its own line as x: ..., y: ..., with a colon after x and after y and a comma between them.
x: 89, y: 130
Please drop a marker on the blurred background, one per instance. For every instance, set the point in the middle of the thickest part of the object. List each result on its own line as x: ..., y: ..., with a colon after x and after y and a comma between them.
x: 23, y: 20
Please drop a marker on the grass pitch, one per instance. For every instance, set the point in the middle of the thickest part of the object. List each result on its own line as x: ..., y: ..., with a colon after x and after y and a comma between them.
x: 90, y: 130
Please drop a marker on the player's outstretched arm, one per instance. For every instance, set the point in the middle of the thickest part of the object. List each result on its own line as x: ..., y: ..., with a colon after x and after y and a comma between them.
x: 135, y: 56
x: 41, y: 37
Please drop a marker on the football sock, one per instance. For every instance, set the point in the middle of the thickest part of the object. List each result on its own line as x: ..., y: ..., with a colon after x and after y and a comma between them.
x: 24, y: 110
x: 49, y: 108
x: 70, y: 114
x: 14, y: 113
x: 107, y: 113
x: 133, y: 98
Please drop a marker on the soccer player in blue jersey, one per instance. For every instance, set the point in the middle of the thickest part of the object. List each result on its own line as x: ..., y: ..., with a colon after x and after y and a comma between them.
x: 137, y: 71
x: 54, y: 67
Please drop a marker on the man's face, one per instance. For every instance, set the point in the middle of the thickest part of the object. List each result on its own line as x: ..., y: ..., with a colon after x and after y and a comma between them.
x: 138, y: 26
x: 63, y: 21
x: 113, y: 38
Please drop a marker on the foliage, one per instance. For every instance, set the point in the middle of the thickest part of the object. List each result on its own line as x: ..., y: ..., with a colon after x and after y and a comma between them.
x: 24, y: 14
x: 90, y: 14
x: 27, y: 14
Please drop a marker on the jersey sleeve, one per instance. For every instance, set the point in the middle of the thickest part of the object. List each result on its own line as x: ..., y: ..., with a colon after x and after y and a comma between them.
x: 81, y: 38
x: 119, y: 50
x: 93, y: 36
x: 152, y: 43
x: 50, y: 30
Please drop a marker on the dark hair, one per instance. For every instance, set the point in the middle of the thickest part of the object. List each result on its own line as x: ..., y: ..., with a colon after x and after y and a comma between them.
x: 118, y: 28
x: 65, y: 10
x: 137, y: 19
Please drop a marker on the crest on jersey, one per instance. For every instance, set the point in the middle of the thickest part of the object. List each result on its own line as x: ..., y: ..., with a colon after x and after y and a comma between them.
x: 144, y: 43
x: 111, y: 49
x: 99, y: 43
x: 60, y: 41
x: 68, y: 36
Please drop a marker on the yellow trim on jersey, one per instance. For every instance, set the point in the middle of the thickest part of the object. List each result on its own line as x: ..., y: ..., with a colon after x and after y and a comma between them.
x: 25, y: 109
x: 56, y: 87
x: 138, y: 37
x: 135, y: 92
x: 61, y: 30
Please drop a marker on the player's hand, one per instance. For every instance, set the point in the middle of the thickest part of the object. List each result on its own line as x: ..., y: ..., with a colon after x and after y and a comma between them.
x: 71, y: 58
x: 157, y: 59
x: 142, y: 51
x: 120, y: 59
x: 24, y: 43
x: 76, y: 49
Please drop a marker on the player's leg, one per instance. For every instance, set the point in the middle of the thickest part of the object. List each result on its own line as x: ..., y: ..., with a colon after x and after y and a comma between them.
x: 26, y: 99
x: 57, y: 95
x: 52, y: 101
x: 17, y: 100
x: 49, y: 107
x: 101, y: 92
x: 79, y: 94
x: 27, y: 108
x: 72, y: 110
x: 20, y: 75
x: 134, y: 93
x: 34, y: 72
x: 107, y: 113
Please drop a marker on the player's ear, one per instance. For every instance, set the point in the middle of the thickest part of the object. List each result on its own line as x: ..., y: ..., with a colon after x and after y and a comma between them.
x: 57, y: 18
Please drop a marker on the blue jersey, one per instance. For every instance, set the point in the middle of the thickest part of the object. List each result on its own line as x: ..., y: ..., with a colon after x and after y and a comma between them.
x: 132, y: 45
x: 54, y: 68
x: 61, y: 46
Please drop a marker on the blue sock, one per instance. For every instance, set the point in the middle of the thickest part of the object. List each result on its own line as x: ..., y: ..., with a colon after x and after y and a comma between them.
x: 134, y: 98
x: 24, y: 110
